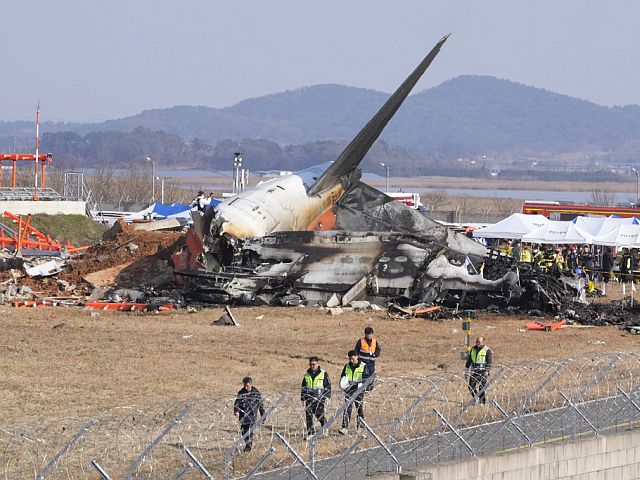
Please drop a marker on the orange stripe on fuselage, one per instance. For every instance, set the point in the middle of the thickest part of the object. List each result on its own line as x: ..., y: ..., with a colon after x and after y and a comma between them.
x: 327, y: 219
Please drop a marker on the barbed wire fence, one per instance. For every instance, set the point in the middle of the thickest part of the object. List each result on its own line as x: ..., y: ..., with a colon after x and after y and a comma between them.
x: 410, y: 421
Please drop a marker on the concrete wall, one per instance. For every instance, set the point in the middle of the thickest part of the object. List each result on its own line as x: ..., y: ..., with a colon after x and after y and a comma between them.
x: 50, y: 207
x: 611, y: 457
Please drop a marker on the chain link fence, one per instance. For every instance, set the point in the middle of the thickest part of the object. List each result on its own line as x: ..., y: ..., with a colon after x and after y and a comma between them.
x: 410, y: 421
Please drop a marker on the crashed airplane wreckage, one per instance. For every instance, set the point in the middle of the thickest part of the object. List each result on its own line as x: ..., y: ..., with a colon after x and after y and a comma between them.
x: 321, y: 235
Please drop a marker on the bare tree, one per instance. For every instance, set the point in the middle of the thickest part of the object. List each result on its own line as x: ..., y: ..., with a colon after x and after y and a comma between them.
x: 434, y: 200
x: 602, y: 197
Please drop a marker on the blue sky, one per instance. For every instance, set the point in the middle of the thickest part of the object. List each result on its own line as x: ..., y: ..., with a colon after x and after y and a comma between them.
x: 91, y: 61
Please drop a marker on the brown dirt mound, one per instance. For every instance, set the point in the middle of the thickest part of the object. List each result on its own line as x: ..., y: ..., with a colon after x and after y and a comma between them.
x: 145, y: 258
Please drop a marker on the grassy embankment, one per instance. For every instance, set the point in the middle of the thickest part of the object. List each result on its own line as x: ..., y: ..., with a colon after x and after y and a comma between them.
x: 77, y: 229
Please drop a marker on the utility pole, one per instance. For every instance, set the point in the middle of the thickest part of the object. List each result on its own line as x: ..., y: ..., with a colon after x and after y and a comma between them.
x: 386, y: 167
x: 153, y: 179
x: 637, y: 186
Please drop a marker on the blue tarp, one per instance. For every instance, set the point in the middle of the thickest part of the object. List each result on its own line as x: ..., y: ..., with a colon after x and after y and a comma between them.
x: 163, y: 210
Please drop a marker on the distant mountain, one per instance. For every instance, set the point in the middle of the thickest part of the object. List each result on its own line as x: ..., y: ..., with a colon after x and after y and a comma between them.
x: 468, y: 115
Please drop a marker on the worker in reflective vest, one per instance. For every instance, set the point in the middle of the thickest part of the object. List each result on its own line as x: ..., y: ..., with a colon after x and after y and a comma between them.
x: 354, y: 373
x: 478, y: 368
x: 314, y: 393
x: 368, y: 349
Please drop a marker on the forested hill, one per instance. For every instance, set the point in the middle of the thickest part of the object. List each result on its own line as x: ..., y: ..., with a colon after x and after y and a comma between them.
x: 468, y: 115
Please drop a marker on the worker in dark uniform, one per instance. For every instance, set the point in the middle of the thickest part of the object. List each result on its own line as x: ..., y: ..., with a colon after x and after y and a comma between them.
x: 314, y: 393
x: 354, y: 373
x: 368, y: 349
x: 572, y: 260
x: 246, y: 407
x: 478, y: 368
x: 607, y: 269
x: 516, y: 251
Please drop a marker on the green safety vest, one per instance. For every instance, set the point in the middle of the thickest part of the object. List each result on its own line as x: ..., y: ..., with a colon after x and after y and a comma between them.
x: 354, y: 375
x: 479, y: 357
x: 314, y: 383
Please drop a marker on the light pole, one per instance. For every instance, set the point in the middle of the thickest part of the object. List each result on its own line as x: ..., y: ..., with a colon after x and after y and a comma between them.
x: 637, y: 186
x: 153, y: 179
x: 237, y: 164
x: 386, y: 167
x: 162, y: 179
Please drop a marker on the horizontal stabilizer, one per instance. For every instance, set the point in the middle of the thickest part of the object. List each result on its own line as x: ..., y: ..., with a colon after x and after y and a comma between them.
x: 351, y: 157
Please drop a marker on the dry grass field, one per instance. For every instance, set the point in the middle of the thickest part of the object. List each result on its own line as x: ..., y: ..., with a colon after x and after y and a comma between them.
x: 71, y: 363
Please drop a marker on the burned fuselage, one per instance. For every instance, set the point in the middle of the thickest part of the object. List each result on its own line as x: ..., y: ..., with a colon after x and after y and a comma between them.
x: 383, y: 249
x: 321, y: 235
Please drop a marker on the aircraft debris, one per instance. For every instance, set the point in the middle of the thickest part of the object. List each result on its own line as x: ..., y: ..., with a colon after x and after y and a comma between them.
x: 421, y: 310
x: 359, y: 304
x: 45, y: 269
x: 226, y: 319
x: 127, y: 306
x: 546, y: 327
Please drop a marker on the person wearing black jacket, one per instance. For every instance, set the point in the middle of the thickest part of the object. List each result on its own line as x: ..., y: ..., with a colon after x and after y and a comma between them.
x: 607, y: 268
x: 246, y: 407
x: 353, y: 375
x: 314, y: 392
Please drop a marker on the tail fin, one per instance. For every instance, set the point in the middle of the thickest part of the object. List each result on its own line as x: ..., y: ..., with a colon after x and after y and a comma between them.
x: 360, y: 145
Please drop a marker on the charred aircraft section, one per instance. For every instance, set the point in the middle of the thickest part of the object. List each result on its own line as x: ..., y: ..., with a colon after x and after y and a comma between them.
x: 383, y: 250
x: 321, y: 236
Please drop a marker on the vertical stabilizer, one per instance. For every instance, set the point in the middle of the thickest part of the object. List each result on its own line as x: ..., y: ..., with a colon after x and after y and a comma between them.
x: 360, y: 145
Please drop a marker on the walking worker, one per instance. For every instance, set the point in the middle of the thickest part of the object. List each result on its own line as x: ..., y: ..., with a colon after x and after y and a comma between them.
x: 354, y: 373
x: 246, y: 407
x: 478, y: 369
x: 368, y: 349
x: 314, y: 393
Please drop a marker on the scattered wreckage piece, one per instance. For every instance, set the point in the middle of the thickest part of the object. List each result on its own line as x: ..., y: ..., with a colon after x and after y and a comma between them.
x: 546, y: 327
x: 633, y: 329
x: 433, y: 312
x: 34, y: 303
x: 226, y: 319
x: 8, y: 262
x: 128, y: 306
x: 45, y: 269
x: 13, y: 292
x: 165, y: 224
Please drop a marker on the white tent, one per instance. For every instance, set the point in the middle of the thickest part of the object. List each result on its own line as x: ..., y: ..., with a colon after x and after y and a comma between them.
x: 558, y: 233
x: 625, y: 235
x: 514, y: 226
x: 597, y: 226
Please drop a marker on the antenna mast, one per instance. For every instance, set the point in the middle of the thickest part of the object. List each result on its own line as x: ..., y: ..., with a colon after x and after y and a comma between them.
x: 35, y: 196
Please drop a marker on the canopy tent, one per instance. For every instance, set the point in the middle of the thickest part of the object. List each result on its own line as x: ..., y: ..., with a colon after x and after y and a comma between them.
x: 625, y: 235
x: 159, y: 211
x: 558, y: 233
x: 597, y: 226
x: 514, y: 226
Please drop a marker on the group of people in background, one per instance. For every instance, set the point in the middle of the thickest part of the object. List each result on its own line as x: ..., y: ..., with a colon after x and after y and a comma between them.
x: 589, y: 262
x: 315, y: 390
